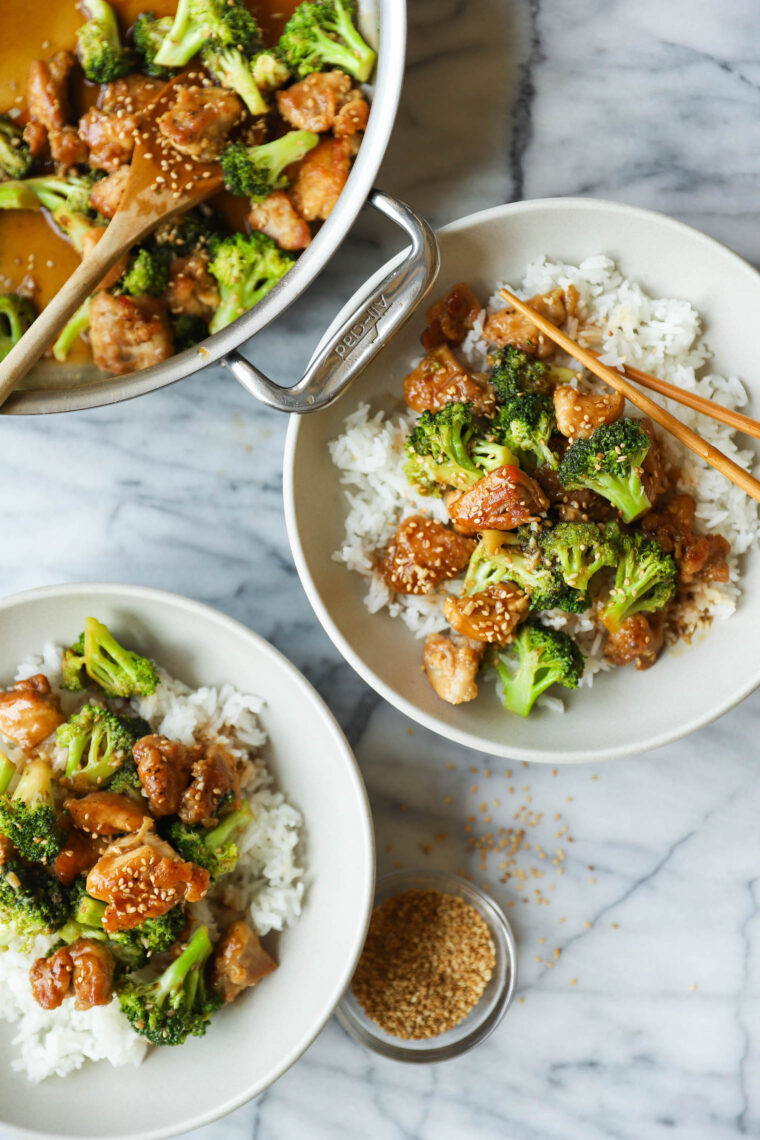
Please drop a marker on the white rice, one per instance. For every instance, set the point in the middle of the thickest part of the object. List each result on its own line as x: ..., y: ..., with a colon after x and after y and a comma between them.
x: 266, y: 882
x: 659, y: 335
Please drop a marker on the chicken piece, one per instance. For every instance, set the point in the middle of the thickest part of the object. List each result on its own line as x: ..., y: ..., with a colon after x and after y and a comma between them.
x: 78, y: 854
x: 352, y: 118
x: 50, y: 978
x: 199, y: 121
x: 695, y: 555
x: 164, y: 769
x: 129, y: 333
x: 423, y: 553
x: 47, y: 91
x: 86, y: 963
x: 580, y: 505
x: 451, y: 668
x: 7, y: 850
x: 142, y: 877
x: 67, y: 146
x: 654, y: 477
x: 35, y: 137
x: 277, y: 218
x: 107, y: 194
x: 321, y: 176
x: 106, y: 813
x: 450, y: 319
x: 192, y: 290
x: 93, y: 973
x: 131, y: 95
x: 579, y: 414
x: 28, y: 712
x: 313, y: 102
x: 239, y: 961
x: 110, y: 137
x: 440, y: 379
x: 639, y: 639
x: 502, y: 500
x: 508, y: 327
x: 491, y: 616
x: 214, y: 776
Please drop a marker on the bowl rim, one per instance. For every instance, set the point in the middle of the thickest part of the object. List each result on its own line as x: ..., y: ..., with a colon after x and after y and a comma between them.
x: 397, y: 700
x: 307, y: 691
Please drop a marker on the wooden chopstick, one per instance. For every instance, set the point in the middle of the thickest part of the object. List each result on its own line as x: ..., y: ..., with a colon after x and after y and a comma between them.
x: 621, y: 384
x: 701, y: 404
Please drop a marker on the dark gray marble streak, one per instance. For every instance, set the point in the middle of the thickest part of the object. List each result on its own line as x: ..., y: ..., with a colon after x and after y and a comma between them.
x: 646, y: 1026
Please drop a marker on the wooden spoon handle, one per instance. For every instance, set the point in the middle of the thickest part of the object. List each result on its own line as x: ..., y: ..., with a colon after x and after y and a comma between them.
x: 52, y: 319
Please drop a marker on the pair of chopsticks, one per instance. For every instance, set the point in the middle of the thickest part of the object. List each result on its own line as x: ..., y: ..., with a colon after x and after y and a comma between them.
x: 620, y: 381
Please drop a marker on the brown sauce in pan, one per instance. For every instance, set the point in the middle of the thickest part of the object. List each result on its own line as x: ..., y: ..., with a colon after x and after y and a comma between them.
x: 29, y: 247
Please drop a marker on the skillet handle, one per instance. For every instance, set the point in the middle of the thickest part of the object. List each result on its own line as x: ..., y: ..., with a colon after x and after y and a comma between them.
x: 364, y: 332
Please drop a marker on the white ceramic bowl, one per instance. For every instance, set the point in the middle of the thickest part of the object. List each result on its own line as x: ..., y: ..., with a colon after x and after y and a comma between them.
x: 626, y: 712
x: 253, y: 1042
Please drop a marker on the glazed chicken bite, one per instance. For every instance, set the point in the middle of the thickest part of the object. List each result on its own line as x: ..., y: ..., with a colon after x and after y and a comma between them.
x: 213, y: 777
x: 579, y: 414
x: 639, y: 639
x: 695, y: 555
x: 313, y: 102
x: 321, y: 176
x: 78, y: 854
x: 163, y: 766
x: 239, y: 961
x: 106, y: 813
x: 129, y: 333
x: 106, y: 195
x: 450, y: 319
x: 440, y: 379
x: 199, y: 121
x: 508, y: 327
x: 352, y: 118
x: 502, y: 500
x: 278, y: 219
x: 191, y: 289
x: 451, y: 668
x: 422, y: 554
x: 29, y: 712
x: 109, y: 136
x: 49, y: 110
x: 491, y: 615
x: 142, y: 877
x: 86, y: 965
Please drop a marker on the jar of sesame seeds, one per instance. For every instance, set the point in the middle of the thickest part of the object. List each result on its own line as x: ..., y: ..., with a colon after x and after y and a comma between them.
x: 438, y: 970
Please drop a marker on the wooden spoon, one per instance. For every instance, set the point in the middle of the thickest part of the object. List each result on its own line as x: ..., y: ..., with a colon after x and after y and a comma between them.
x: 162, y: 183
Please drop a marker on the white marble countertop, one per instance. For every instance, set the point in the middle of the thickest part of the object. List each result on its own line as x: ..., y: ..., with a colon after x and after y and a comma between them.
x: 647, y: 1025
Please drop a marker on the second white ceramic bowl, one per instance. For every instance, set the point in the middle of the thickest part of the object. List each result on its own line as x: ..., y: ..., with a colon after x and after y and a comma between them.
x: 625, y: 712
x: 253, y: 1042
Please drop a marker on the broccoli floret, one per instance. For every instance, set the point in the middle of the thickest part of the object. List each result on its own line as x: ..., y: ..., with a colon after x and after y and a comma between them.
x: 514, y: 372
x: 191, y: 231
x: 32, y: 901
x: 207, y: 23
x: 579, y: 550
x: 176, y: 1004
x: 517, y: 561
x: 321, y: 33
x: 231, y: 68
x: 15, y: 157
x: 120, y: 672
x: 187, y: 331
x: 67, y: 199
x: 544, y: 657
x: 27, y: 815
x: 101, y: 54
x: 215, y: 850
x: 490, y: 455
x: 270, y: 71
x: 147, y: 273
x: 98, y: 744
x: 439, y: 449
x: 148, y: 35
x: 246, y: 267
x: 609, y: 462
x: 76, y: 326
x: 16, y: 316
x: 255, y: 171
x: 645, y: 580
x: 525, y: 424
x: 133, y: 948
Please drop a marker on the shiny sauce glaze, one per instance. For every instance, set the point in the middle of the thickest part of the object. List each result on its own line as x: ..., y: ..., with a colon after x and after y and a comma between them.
x: 30, y: 249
